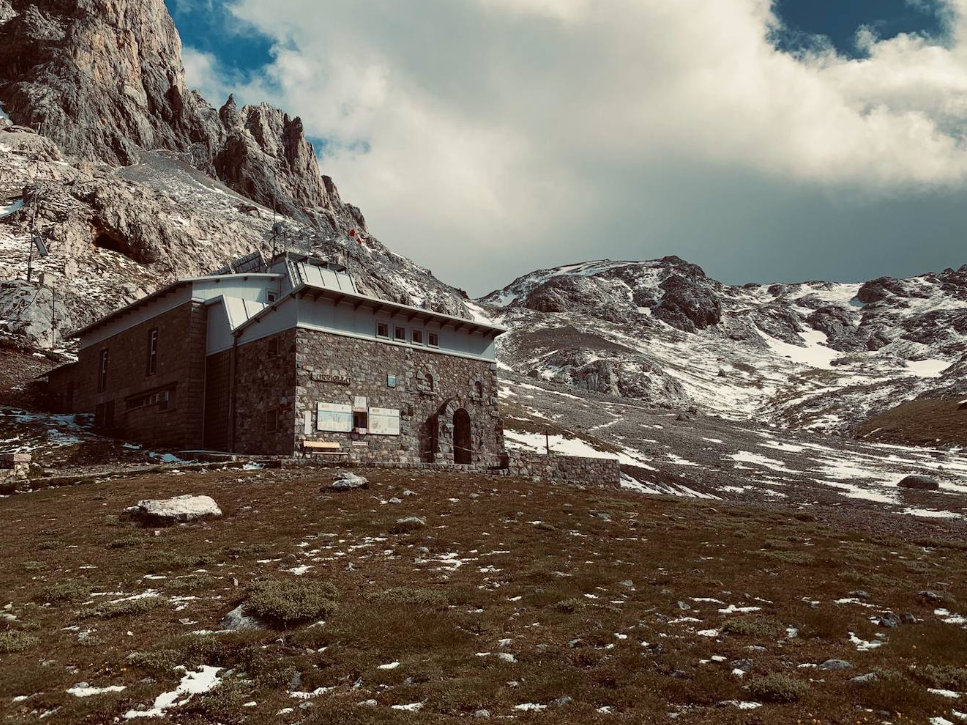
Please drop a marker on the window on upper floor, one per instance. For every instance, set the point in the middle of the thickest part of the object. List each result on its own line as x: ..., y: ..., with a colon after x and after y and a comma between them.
x: 382, y: 329
x: 433, y: 339
x: 399, y: 334
x: 102, y: 372
x: 271, y: 296
x: 152, y: 365
x: 416, y: 337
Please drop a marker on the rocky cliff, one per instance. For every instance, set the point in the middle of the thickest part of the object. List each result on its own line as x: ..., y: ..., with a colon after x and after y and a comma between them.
x: 104, y: 80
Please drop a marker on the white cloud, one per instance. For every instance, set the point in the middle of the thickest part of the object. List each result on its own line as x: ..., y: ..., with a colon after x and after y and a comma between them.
x: 204, y: 74
x: 488, y: 125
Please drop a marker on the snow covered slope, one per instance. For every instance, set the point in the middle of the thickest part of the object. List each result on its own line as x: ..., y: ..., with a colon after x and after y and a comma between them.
x: 816, y: 355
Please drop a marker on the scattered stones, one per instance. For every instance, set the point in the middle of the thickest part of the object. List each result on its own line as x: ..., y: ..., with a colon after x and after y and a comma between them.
x: 920, y: 483
x: 868, y: 677
x: 179, y: 509
x: 835, y: 665
x: 931, y: 596
x: 347, y: 481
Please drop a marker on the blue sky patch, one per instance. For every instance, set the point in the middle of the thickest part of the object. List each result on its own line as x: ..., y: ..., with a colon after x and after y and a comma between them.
x: 838, y: 21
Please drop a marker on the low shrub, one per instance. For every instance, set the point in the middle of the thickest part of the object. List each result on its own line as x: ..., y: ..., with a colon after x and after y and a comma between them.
x: 16, y: 641
x: 759, y: 627
x: 777, y: 688
x: 71, y: 591
x: 944, y: 677
x: 291, y: 601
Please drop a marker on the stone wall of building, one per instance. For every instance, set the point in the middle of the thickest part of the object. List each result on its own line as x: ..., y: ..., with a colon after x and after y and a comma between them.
x: 263, y: 396
x: 131, y: 404
x: 428, y: 388
x: 603, y: 472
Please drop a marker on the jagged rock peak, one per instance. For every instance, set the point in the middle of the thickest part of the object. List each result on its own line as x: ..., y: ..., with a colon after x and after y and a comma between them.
x: 104, y: 79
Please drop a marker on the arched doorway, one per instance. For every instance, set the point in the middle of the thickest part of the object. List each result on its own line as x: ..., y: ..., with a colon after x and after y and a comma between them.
x: 462, y: 440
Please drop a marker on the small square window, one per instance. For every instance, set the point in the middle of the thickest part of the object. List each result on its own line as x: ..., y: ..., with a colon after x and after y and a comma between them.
x: 433, y: 340
x: 271, y: 297
x: 400, y: 334
x: 360, y: 421
x: 416, y: 336
x: 382, y: 329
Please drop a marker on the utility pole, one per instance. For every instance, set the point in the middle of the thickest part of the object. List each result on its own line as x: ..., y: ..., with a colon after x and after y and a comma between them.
x: 547, y: 441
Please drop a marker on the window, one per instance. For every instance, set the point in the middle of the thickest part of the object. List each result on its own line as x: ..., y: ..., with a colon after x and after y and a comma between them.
x: 416, y: 336
x: 433, y: 339
x: 274, y: 347
x: 271, y: 297
x: 360, y: 421
x: 400, y: 334
x: 429, y: 383
x: 102, y: 372
x: 382, y: 329
x: 164, y: 399
x: 152, y: 366
x: 272, y: 420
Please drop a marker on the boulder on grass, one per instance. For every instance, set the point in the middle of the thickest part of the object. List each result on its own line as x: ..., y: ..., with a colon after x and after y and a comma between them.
x: 347, y: 481
x: 920, y: 483
x: 238, y: 621
x: 179, y: 509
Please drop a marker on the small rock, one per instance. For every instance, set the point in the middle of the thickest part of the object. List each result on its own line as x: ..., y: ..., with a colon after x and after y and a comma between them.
x: 237, y: 621
x: 744, y: 665
x: 868, y: 677
x: 174, y: 510
x: 412, y: 521
x: 907, y: 618
x: 889, y: 620
x: 395, y: 500
x: 346, y: 481
x: 835, y: 665
x: 920, y: 483
x: 367, y: 703
x: 562, y: 701
x: 483, y: 714
x: 627, y: 584
x: 684, y: 606
x: 860, y: 594
x: 931, y: 596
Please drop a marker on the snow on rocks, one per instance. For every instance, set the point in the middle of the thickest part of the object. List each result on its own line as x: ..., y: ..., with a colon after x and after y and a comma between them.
x: 179, y: 509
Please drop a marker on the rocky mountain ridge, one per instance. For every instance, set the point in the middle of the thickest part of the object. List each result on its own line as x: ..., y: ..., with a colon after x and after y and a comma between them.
x: 819, y: 355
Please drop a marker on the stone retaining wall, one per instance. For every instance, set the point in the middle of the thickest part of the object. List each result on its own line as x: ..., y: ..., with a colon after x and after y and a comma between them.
x: 14, y: 468
x: 603, y: 472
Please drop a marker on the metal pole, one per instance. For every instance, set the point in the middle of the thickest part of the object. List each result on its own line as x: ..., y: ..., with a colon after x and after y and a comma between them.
x: 547, y: 441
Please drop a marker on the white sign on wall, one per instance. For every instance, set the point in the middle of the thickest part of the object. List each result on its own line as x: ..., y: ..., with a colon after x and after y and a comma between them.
x: 334, y: 417
x: 384, y: 421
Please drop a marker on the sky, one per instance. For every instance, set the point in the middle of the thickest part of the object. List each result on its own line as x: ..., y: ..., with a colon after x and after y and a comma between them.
x: 765, y: 140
